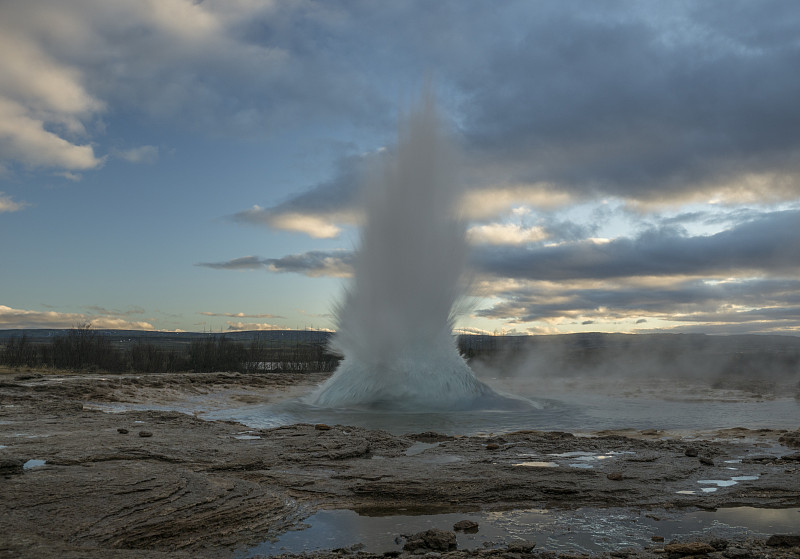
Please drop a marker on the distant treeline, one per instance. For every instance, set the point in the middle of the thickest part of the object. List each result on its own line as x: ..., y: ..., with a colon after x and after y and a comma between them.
x: 751, y: 358
x: 83, y: 348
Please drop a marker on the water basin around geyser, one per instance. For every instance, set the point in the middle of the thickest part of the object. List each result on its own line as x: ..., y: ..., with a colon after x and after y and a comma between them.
x: 587, y: 530
x: 579, y: 414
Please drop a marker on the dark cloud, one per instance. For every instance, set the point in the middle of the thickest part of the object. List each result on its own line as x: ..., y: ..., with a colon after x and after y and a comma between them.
x: 696, y: 301
x: 642, y: 107
x: 241, y: 263
x: 591, y: 97
x: 335, y: 196
x: 314, y: 263
x: 770, y: 243
x: 337, y: 263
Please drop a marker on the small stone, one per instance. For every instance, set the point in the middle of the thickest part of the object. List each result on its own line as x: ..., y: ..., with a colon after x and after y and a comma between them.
x: 657, y: 538
x: 492, y: 446
x: 145, y: 434
x: 706, y: 461
x: 521, y: 547
x: 718, y: 543
x: 466, y: 526
x: 691, y: 451
x: 783, y: 540
x: 122, y: 431
x: 791, y: 439
x: 615, y: 476
x: 737, y: 553
x: 650, y: 432
x: 11, y: 465
x: 431, y: 540
x: 689, y: 548
x: 322, y: 427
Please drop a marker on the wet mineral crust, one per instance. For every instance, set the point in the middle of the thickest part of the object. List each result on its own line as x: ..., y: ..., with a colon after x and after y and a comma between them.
x: 195, y: 488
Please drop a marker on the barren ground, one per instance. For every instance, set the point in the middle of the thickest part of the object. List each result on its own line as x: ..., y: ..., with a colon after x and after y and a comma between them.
x: 167, y: 484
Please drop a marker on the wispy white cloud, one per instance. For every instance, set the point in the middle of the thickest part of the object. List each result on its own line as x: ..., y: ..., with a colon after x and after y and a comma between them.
x: 241, y: 315
x: 237, y: 326
x: 505, y: 234
x: 22, y: 318
x: 141, y: 154
x: 314, y: 226
x: 8, y: 204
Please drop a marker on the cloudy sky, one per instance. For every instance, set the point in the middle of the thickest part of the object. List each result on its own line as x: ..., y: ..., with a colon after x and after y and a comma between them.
x: 194, y: 165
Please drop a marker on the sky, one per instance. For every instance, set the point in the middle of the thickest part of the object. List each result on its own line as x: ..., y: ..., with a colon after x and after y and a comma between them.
x: 630, y: 166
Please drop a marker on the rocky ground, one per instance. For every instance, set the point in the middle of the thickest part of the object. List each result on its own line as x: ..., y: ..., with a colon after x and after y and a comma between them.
x: 168, y: 484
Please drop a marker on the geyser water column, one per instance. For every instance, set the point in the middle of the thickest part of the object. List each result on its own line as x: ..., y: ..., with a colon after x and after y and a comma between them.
x: 395, y: 321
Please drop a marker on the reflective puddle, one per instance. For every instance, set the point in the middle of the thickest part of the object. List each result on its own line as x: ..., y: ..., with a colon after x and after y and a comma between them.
x: 711, y: 485
x: 583, y: 530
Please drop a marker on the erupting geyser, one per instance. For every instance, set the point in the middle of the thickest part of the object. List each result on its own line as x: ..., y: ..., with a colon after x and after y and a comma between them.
x: 395, y: 322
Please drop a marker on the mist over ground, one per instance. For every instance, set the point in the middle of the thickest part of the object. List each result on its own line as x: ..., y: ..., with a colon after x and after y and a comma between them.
x: 768, y: 366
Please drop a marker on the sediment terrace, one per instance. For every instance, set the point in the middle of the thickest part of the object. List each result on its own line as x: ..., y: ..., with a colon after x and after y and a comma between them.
x: 168, y: 484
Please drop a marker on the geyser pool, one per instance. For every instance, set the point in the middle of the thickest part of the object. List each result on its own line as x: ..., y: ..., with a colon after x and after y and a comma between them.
x: 395, y: 322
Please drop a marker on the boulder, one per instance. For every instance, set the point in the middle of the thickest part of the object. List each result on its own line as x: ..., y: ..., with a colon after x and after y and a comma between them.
x: 689, y: 548
x: 431, y: 540
x: 784, y: 540
x: 466, y: 526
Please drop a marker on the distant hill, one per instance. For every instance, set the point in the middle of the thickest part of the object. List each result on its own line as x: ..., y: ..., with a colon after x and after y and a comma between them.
x: 44, y: 335
x: 682, y: 343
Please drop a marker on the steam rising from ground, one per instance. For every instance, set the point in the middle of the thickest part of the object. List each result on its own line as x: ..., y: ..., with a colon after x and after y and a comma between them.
x: 666, y: 366
x: 395, y: 323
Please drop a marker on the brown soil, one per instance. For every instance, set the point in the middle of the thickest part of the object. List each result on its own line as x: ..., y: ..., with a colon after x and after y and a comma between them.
x: 167, y: 484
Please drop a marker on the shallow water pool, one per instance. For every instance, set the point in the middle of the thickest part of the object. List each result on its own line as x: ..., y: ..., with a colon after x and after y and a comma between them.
x: 587, y: 529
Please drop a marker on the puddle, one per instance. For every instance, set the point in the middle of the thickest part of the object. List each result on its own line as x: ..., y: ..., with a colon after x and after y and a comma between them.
x: 538, y: 464
x: 246, y: 437
x: 585, y: 460
x: 419, y: 448
x: 582, y: 530
x: 717, y: 483
x: 31, y: 464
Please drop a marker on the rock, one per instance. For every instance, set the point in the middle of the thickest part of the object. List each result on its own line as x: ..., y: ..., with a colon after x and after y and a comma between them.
x: 784, y: 540
x: 691, y: 451
x: 657, y: 538
x: 795, y: 457
x: 145, y: 434
x: 431, y: 540
x: 650, y: 432
x: 466, y: 526
x: 706, y: 461
x: 719, y: 543
x: 615, y: 476
x: 521, y: 547
x: 689, y: 548
x: 322, y: 427
x: 737, y: 553
x: 791, y: 439
x: 29, y: 376
x: 492, y: 446
x: 122, y: 431
x: 10, y: 465
x: 430, y: 437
